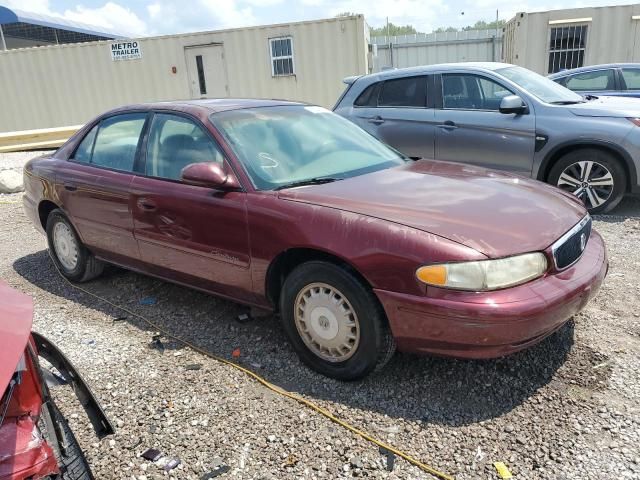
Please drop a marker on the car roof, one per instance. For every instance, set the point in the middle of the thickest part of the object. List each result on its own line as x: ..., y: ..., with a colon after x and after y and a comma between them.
x: 471, y: 66
x: 208, y: 106
x: 590, y: 68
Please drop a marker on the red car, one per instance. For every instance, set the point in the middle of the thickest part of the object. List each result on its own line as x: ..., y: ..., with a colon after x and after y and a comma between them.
x: 35, y: 439
x: 291, y: 208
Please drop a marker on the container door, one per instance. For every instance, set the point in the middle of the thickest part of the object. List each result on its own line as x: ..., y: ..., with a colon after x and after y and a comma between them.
x: 207, y: 71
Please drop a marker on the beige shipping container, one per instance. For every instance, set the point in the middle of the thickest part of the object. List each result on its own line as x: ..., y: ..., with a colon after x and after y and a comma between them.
x: 608, y: 34
x: 63, y: 85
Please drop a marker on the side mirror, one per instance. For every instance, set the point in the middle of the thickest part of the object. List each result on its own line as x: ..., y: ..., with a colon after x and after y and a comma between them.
x: 209, y: 174
x: 512, y: 104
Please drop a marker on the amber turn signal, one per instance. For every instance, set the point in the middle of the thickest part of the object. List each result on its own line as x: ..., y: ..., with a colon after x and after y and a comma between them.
x: 432, y: 274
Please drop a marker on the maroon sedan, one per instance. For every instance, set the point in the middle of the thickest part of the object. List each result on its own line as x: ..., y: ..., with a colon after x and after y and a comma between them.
x: 289, y: 207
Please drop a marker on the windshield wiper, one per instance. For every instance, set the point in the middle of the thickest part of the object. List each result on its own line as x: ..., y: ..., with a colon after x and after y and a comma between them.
x: 590, y: 97
x: 566, y: 102
x: 308, y: 181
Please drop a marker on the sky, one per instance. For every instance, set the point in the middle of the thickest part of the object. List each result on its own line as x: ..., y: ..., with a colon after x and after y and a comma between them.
x: 136, y: 18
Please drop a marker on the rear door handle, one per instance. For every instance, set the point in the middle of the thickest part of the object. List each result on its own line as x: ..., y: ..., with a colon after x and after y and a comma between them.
x: 448, y: 125
x: 146, y: 204
x: 69, y: 187
x: 376, y: 120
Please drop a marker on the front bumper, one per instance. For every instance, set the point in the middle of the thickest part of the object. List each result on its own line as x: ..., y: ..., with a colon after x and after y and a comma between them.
x: 493, y: 324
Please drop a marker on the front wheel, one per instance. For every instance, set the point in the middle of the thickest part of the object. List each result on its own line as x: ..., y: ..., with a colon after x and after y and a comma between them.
x: 335, y: 322
x: 594, y: 176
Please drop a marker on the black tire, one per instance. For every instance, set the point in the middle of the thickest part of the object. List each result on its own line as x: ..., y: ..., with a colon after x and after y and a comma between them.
x: 376, y: 344
x: 87, y: 266
x: 71, y: 460
x: 606, y: 160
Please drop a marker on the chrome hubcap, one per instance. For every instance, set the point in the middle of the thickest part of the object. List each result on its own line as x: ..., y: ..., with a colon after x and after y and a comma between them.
x: 590, y: 181
x: 65, y: 246
x: 326, y: 322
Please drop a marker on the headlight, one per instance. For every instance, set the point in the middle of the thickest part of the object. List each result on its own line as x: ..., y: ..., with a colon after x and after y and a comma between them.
x: 485, y: 274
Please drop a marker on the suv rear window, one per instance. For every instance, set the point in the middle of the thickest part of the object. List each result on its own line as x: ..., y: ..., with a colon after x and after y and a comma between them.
x: 404, y: 92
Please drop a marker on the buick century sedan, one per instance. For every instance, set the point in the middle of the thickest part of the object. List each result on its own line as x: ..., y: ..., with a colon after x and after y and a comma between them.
x: 291, y: 208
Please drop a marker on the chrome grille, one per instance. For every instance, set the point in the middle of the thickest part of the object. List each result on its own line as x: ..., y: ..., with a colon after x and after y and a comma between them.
x: 569, y: 248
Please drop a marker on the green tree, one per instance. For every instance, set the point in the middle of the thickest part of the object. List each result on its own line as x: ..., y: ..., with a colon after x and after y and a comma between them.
x: 479, y: 25
x: 393, y: 30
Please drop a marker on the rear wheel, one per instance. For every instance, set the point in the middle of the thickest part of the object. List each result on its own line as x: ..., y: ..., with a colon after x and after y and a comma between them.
x: 70, y: 458
x: 594, y: 176
x: 67, y: 251
x: 334, y: 321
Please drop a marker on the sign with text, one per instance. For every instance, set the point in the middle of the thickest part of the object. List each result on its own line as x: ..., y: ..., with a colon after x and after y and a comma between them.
x: 129, y: 50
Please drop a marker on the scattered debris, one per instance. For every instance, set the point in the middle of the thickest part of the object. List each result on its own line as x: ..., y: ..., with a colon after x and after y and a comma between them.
x: 89, y: 341
x: 151, y: 454
x: 502, y: 470
x: 148, y: 301
x: 157, y: 343
x: 391, y: 458
x: 222, y: 469
x: 243, y: 318
x: 236, y: 353
x: 479, y: 455
x: 193, y: 366
x: 291, y: 461
x: 171, y: 464
x: 119, y: 318
x: 603, y: 364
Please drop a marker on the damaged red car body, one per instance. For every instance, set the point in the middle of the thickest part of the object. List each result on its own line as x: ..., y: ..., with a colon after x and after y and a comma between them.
x: 32, y: 445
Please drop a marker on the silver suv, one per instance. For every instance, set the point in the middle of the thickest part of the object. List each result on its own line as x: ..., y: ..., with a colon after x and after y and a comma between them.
x: 506, y: 117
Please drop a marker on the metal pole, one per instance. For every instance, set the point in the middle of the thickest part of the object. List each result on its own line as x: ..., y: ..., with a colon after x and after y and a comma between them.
x: 4, y: 44
x: 495, y: 39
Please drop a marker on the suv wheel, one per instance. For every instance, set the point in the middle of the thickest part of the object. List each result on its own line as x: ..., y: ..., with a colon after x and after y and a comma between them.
x: 71, y: 257
x: 594, y: 176
x: 334, y: 322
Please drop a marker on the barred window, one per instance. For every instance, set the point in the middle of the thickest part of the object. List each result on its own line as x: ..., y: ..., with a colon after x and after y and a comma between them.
x: 566, y: 47
x: 281, y: 56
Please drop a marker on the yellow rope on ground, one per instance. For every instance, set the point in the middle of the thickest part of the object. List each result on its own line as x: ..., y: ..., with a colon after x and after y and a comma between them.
x: 269, y: 385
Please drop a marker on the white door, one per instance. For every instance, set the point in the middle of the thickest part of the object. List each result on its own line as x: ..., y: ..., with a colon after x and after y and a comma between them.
x: 207, y: 72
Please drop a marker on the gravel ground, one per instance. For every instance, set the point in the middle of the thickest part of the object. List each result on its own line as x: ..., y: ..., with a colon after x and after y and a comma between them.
x: 567, y: 408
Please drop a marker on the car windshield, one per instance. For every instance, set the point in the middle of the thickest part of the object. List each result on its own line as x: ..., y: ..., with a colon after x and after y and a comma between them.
x: 546, y: 90
x: 283, y: 146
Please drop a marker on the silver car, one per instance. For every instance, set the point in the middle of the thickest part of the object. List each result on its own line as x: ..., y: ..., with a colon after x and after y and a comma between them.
x: 506, y: 117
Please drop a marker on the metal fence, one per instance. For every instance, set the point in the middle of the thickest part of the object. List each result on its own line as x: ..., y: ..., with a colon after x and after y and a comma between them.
x: 429, y: 48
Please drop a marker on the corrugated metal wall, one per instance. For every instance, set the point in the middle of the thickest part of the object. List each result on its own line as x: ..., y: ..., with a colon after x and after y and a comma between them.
x: 427, y: 49
x: 612, y: 35
x: 69, y: 84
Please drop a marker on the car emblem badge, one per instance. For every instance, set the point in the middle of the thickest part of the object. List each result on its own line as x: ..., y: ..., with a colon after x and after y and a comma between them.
x: 583, y: 242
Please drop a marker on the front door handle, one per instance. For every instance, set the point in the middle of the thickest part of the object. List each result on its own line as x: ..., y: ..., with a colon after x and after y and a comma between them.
x: 70, y: 188
x: 377, y: 120
x: 146, y: 204
x: 448, y: 125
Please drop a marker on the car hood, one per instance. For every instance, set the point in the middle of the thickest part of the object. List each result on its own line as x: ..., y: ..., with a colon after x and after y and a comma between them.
x: 16, y: 314
x: 495, y: 213
x: 608, y: 107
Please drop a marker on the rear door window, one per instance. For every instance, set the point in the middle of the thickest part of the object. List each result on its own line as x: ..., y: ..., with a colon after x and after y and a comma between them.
x: 175, y: 142
x: 631, y: 77
x: 404, y: 92
x: 592, y: 81
x: 369, y: 98
x: 117, y: 141
x: 85, y: 149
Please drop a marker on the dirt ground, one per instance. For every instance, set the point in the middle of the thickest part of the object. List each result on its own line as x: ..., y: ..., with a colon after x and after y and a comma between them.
x: 565, y: 409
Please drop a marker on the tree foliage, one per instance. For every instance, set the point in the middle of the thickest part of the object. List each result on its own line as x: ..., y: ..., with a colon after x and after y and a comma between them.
x: 479, y: 25
x: 393, y: 30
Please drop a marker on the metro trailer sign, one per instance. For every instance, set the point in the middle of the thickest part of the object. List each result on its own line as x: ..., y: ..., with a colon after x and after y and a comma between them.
x: 129, y: 50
